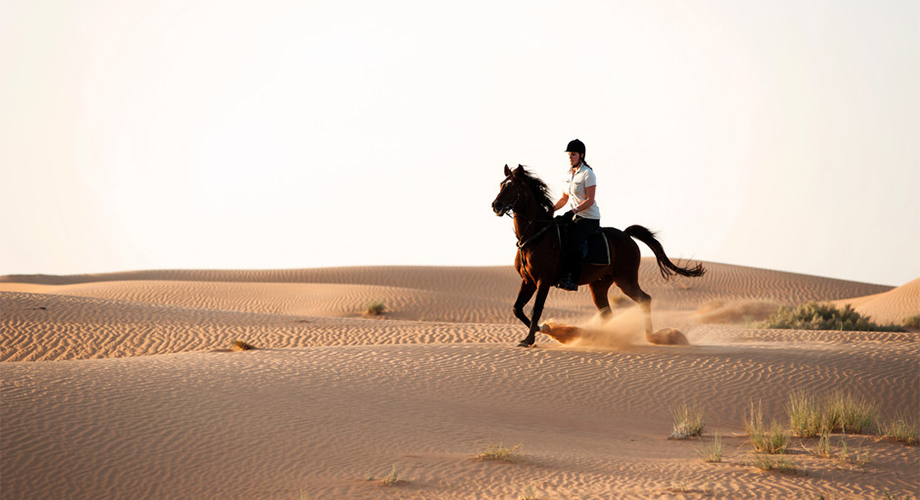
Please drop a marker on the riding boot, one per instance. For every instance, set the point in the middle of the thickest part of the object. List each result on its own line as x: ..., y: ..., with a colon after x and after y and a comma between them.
x: 566, y: 283
x: 568, y: 279
x: 576, y: 272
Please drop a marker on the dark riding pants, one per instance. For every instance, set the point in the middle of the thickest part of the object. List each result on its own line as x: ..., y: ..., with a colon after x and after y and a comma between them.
x: 580, y: 230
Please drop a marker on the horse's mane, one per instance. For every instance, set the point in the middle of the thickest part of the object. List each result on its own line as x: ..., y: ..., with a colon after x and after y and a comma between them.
x: 540, y: 190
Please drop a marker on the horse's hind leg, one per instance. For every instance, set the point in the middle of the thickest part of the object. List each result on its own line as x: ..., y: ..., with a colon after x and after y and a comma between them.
x: 632, y: 290
x: 599, y: 291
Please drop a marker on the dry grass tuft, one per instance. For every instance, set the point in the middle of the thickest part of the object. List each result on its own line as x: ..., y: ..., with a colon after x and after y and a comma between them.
x: 712, y: 452
x: 375, y: 308
x: 848, y: 413
x: 392, y: 479
x: 804, y: 414
x: 770, y: 463
x: 239, y: 345
x: 501, y: 453
x: 838, y: 412
x: 904, y: 428
x: 688, y: 421
x: 770, y: 441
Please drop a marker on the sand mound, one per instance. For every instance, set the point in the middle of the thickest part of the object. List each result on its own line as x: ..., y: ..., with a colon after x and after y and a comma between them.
x: 893, y: 306
x: 736, y: 312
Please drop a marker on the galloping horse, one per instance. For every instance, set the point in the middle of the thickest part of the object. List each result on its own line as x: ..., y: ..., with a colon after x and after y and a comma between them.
x: 538, y: 258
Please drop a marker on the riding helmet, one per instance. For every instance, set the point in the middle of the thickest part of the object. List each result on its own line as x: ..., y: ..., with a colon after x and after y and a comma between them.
x: 575, y: 146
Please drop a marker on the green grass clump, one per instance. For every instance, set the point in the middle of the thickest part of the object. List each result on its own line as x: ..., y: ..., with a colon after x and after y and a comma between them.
x: 804, y: 414
x: 815, y: 316
x: 770, y: 441
x: 847, y: 413
x: 688, y: 421
x: 838, y: 412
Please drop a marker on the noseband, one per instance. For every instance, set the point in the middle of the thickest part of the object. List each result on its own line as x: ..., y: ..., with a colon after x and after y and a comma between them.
x: 510, y: 207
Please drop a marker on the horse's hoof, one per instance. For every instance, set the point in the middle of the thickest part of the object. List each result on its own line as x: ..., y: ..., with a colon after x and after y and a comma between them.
x: 524, y: 343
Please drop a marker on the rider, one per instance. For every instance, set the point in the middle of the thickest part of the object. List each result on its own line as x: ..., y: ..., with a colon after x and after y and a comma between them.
x: 579, y: 191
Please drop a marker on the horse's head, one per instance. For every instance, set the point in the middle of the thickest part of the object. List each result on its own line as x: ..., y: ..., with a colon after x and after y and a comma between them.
x: 510, y: 191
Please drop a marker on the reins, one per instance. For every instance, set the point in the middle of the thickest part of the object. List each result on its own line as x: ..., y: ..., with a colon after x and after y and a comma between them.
x: 522, y: 242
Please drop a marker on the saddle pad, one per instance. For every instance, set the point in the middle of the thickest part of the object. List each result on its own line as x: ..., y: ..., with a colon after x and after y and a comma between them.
x: 598, y: 250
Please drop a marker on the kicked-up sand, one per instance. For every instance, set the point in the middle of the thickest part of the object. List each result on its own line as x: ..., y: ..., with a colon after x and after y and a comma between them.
x: 124, y: 385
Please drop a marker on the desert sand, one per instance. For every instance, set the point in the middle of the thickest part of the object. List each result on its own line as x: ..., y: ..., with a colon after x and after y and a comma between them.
x: 123, y: 385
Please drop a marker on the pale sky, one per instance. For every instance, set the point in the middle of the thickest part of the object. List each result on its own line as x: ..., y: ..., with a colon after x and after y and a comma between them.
x: 165, y: 134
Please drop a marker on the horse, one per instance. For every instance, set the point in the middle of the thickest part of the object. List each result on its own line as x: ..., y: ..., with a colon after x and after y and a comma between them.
x: 538, y: 259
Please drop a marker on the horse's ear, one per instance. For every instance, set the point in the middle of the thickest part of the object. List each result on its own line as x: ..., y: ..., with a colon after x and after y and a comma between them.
x: 507, y: 170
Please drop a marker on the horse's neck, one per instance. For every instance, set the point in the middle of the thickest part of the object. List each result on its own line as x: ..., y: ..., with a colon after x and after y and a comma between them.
x: 526, y: 224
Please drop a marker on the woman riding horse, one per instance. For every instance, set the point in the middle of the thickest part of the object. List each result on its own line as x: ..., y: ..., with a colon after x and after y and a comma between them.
x: 539, y: 250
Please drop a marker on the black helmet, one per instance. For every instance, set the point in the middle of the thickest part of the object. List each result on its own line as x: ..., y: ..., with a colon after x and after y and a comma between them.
x: 575, y: 146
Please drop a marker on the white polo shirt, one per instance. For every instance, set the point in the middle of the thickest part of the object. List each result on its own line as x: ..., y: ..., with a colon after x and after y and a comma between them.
x: 575, y: 185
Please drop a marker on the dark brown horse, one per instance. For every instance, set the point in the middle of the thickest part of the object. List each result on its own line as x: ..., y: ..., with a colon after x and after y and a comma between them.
x: 539, y: 250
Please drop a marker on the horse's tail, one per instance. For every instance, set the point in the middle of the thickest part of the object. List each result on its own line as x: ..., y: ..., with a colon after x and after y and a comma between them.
x: 665, y: 265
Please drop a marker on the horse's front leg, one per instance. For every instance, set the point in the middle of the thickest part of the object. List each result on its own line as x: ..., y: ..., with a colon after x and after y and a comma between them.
x: 542, y: 292
x: 524, y: 295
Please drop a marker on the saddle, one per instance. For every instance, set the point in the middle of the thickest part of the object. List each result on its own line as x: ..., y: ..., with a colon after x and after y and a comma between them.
x: 596, y: 250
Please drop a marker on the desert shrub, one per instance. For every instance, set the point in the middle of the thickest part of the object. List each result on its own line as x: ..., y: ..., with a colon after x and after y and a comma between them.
x: 375, y: 308
x: 688, y: 421
x: 815, y: 316
x: 912, y: 322
x: 239, y: 345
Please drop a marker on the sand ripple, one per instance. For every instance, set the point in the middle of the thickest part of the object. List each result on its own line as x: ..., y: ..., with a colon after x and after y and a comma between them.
x: 121, y: 386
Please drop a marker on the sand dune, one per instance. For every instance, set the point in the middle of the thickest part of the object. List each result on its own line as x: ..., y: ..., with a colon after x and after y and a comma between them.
x: 892, y: 306
x: 122, y: 386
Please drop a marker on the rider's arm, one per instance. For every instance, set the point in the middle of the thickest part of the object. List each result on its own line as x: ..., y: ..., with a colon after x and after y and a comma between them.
x: 562, y: 201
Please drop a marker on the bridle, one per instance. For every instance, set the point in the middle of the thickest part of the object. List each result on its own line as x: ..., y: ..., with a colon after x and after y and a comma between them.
x: 511, y: 212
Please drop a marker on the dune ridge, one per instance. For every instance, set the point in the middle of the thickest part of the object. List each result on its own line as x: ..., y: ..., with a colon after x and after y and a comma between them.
x: 892, y: 306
